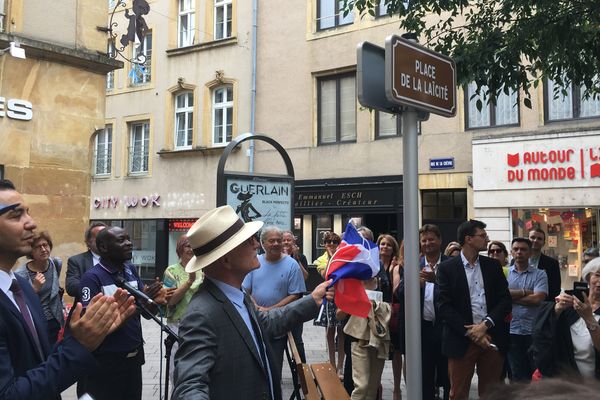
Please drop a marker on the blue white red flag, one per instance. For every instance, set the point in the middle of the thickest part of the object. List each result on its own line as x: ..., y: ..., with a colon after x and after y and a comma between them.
x: 355, y: 260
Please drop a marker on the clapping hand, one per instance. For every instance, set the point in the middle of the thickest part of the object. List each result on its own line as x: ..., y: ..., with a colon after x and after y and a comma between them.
x: 103, y: 315
x: 158, y: 293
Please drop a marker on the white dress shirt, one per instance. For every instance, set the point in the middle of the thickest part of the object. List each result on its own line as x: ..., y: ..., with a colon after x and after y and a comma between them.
x: 476, y: 289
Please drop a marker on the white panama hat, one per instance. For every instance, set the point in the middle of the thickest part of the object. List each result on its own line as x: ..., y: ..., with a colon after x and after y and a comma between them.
x: 215, y: 234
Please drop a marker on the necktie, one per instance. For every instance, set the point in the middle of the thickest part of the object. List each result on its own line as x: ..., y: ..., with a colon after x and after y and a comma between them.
x: 259, y: 340
x: 15, y: 288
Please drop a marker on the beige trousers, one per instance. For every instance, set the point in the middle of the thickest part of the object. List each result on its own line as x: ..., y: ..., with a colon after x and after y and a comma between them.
x: 366, y: 372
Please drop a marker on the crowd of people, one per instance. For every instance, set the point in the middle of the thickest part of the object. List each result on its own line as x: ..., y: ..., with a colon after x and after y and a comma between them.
x: 503, y: 315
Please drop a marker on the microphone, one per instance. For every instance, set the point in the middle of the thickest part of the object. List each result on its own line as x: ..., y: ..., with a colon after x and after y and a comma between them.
x: 138, y: 294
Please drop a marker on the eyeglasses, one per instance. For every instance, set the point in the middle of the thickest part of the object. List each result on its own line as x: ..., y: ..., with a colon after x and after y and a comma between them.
x: 481, y: 235
x: 495, y: 251
x: 42, y: 246
x: 331, y: 241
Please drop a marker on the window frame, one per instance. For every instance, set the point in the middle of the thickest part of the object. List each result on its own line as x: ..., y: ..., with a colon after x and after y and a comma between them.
x: 3, y: 13
x: 225, y: 33
x: 338, y: 133
x: 110, y: 76
x: 399, y: 132
x: 186, y: 110
x: 338, y: 16
x: 492, y: 111
x: 576, y: 91
x: 145, y: 151
x: 227, y: 107
x: 107, y: 148
x: 191, y: 16
x: 147, y: 73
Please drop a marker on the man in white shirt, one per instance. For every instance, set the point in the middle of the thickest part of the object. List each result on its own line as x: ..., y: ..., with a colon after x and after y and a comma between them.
x: 474, y: 303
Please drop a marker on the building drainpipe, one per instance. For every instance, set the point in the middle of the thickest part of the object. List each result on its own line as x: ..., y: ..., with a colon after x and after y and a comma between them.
x: 253, y: 83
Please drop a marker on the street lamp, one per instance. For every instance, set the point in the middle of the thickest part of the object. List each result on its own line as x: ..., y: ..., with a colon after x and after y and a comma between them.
x: 15, y: 50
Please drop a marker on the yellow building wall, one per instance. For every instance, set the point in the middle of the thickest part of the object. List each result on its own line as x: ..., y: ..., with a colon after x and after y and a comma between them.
x: 49, y: 157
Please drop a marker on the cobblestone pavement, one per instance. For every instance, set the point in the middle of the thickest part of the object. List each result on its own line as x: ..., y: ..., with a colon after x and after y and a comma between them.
x: 315, y: 347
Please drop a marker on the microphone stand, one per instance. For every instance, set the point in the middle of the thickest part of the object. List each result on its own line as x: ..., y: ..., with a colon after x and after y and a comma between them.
x: 170, y: 340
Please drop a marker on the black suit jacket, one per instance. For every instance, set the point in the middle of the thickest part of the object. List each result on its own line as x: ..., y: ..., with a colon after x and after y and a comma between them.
x: 218, y: 358
x: 23, y: 374
x: 77, y: 266
x: 454, y: 304
x: 550, y: 265
x: 401, y: 301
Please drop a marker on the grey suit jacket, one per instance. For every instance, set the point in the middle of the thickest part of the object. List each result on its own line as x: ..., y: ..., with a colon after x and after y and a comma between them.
x: 218, y: 358
x: 76, y: 267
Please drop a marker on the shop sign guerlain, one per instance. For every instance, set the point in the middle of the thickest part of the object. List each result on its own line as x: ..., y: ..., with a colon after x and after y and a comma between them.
x: 264, y: 200
x: 129, y: 201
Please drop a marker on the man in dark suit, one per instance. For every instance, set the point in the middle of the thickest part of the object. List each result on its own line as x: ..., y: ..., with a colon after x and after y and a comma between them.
x: 79, y: 264
x: 545, y: 263
x: 29, y: 368
x: 434, y: 364
x: 225, y: 352
x: 474, y: 304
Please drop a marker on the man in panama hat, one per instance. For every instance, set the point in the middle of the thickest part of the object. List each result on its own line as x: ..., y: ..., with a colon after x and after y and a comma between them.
x: 225, y: 352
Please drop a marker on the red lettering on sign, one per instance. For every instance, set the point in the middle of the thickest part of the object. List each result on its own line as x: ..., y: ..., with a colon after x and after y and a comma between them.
x: 515, y: 175
x: 543, y: 157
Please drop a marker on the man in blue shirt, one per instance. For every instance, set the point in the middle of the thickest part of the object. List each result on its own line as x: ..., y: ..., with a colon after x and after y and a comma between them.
x: 277, y: 282
x: 528, y: 287
x: 121, y: 354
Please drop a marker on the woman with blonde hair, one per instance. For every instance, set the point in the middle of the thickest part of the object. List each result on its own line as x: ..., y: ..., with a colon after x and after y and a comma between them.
x: 452, y: 250
x: 392, y: 262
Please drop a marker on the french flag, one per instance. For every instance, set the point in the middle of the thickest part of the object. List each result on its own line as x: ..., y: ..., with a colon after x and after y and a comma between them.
x: 355, y: 260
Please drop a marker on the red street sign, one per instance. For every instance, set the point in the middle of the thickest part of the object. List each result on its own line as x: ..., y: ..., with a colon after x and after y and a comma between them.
x: 418, y: 77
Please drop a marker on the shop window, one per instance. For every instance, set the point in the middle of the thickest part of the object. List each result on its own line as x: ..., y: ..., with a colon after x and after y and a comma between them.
x: 336, y: 109
x: 184, y: 120
x: 103, y: 151
x: 139, y: 141
x: 504, y: 112
x: 110, y: 77
x: 330, y: 13
x: 222, y: 105
x: 389, y: 125
x: 141, y: 73
x: 569, y: 232
x: 446, y: 208
x: 223, y: 19
x: 186, y: 23
x: 143, y: 238
x: 570, y: 103
x: 3, y: 5
x: 322, y: 224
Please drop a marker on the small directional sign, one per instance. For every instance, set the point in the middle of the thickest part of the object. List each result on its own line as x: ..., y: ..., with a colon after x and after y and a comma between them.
x: 441, y: 163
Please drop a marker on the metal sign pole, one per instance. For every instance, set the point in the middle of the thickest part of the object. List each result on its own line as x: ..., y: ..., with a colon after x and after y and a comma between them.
x: 412, y: 293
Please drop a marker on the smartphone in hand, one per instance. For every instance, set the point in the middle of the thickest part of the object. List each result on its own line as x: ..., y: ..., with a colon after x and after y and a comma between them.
x: 578, y: 289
